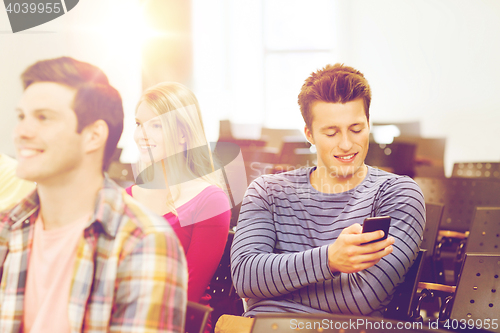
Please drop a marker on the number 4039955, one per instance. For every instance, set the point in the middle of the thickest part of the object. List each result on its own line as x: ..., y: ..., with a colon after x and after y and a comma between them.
x: 471, y: 324
x: 32, y: 8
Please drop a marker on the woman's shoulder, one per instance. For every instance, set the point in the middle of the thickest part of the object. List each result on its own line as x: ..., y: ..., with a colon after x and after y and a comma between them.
x: 210, y: 193
x: 210, y: 206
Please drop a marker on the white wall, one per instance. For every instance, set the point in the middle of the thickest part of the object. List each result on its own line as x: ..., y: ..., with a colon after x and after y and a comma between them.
x: 228, y: 62
x: 103, y: 33
x: 435, y: 61
x: 17, y: 51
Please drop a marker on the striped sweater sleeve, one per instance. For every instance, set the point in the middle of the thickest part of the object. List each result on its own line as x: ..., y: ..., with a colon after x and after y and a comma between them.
x: 368, y: 291
x: 256, y: 270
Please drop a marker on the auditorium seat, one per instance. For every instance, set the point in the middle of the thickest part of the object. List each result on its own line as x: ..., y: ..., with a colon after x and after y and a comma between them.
x: 290, y: 143
x: 475, y: 298
x: 484, y: 235
x: 196, y: 317
x: 224, y: 299
x: 460, y: 197
x: 402, y: 305
x: 434, y: 213
x: 398, y: 158
x: 274, y: 136
x: 481, y: 170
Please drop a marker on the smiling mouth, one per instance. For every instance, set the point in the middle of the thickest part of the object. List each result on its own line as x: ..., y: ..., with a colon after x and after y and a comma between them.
x: 146, y: 147
x: 29, y: 152
x: 346, y: 157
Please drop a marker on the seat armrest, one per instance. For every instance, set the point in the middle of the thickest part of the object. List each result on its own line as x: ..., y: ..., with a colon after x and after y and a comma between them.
x: 437, y: 287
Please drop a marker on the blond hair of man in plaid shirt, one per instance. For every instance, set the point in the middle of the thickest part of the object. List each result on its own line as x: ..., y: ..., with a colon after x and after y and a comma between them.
x: 127, y: 272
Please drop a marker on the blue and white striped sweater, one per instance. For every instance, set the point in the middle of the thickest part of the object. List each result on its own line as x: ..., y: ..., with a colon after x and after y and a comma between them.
x: 279, y: 257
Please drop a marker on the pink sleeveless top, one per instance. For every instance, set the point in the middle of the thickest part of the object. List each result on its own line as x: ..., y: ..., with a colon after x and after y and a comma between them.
x: 202, y: 226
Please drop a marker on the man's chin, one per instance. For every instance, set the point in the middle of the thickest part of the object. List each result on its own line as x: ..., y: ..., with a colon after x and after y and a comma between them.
x: 26, y: 175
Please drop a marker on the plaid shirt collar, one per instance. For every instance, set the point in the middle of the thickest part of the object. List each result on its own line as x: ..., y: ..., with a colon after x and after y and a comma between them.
x: 107, y: 212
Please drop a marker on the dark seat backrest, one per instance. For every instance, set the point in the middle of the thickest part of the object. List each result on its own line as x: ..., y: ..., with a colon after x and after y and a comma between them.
x: 254, y: 170
x: 260, y: 154
x: 221, y: 281
x: 400, y: 157
x: 434, y: 212
x: 302, y: 157
x: 460, y: 197
x: 477, y: 297
x: 430, y: 157
x: 196, y: 317
x: 484, y: 236
x: 274, y: 136
x: 224, y: 299
x: 401, y: 305
x: 290, y: 143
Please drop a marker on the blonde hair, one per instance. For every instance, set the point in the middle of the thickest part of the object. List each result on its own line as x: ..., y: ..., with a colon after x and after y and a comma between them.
x: 182, y: 118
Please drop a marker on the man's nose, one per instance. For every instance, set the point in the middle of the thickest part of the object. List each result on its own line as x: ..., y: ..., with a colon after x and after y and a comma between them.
x: 24, y: 129
x: 345, y: 142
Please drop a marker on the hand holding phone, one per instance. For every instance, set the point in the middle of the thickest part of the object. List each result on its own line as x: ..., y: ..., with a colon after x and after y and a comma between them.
x: 347, y: 255
x: 371, y: 224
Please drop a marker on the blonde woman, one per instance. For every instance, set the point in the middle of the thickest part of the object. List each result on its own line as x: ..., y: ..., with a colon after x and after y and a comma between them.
x: 176, y: 179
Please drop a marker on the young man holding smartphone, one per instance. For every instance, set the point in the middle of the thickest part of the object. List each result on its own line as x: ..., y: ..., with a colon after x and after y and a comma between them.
x: 299, y: 245
x: 79, y: 254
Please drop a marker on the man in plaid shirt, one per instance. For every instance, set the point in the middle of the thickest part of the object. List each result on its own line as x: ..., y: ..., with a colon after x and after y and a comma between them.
x: 79, y: 254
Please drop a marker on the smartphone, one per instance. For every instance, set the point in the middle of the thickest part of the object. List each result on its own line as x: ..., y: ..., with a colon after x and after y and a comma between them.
x: 377, y: 223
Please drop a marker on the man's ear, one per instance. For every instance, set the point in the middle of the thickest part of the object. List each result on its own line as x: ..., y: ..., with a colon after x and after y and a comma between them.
x: 96, y: 135
x: 309, y: 135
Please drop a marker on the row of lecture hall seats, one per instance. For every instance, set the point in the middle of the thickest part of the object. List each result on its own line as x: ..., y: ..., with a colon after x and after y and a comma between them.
x: 474, y: 297
x: 457, y: 274
x: 407, y: 153
x: 283, y: 149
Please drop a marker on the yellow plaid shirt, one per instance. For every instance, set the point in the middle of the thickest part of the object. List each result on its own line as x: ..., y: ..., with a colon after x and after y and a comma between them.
x: 130, y: 273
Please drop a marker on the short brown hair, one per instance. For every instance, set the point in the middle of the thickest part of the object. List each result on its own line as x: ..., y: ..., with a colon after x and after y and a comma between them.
x: 333, y: 84
x: 95, y: 98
